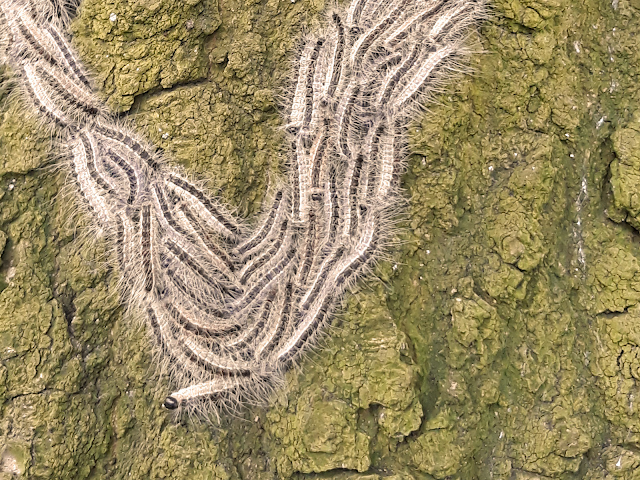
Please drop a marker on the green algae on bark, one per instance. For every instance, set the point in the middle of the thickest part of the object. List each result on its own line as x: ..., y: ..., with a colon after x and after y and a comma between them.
x: 502, y: 344
x: 359, y: 392
x: 140, y: 45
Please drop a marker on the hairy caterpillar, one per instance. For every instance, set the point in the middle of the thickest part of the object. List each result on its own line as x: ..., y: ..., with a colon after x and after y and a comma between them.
x: 230, y: 306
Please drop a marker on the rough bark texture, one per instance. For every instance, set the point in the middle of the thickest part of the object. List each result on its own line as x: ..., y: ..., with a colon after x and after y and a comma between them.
x: 502, y: 341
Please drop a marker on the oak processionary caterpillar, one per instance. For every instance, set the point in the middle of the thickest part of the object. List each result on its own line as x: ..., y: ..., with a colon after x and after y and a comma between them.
x: 230, y: 306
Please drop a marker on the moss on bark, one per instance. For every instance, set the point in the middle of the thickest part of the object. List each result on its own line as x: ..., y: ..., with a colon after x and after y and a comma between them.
x: 503, y: 341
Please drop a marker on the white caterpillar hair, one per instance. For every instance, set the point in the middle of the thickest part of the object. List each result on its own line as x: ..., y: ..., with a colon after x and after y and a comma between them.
x: 231, y: 307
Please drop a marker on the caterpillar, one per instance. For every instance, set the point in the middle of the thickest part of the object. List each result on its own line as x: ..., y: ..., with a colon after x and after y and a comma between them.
x: 232, y: 306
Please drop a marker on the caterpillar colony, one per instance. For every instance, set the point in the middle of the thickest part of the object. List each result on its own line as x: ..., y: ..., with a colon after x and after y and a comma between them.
x: 232, y: 306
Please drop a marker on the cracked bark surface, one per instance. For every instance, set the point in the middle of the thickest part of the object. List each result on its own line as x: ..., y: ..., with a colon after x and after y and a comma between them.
x: 503, y: 339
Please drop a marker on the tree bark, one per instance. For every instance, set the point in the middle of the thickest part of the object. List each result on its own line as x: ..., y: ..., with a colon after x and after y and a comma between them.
x: 499, y: 340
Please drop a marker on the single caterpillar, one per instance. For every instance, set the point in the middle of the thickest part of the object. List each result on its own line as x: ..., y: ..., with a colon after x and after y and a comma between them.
x: 231, y: 307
